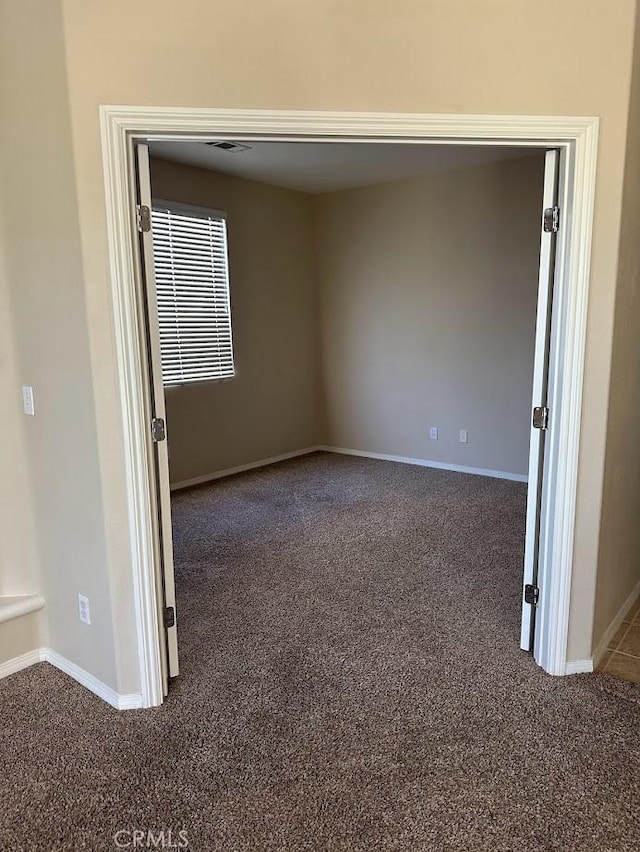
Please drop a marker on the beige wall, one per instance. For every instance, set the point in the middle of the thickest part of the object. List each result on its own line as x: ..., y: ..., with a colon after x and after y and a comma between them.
x: 406, y: 316
x: 620, y: 537
x: 18, y: 553
x: 271, y: 406
x: 428, y: 292
x: 546, y: 58
x: 22, y: 635
x: 56, y: 538
x: 441, y: 56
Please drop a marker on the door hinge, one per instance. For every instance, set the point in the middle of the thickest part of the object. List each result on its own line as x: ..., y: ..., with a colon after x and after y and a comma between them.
x: 541, y: 417
x: 531, y: 594
x: 552, y: 220
x: 158, y: 430
x: 143, y: 218
x: 169, y: 617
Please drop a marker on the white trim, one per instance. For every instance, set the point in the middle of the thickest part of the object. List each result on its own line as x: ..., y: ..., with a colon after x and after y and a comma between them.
x: 129, y: 701
x: 22, y: 662
x: 579, y: 666
x: 609, y: 633
x: 566, y: 369
x: 230, y: 471
x: 13, y: 606
x: 132, y: 701
x: 458, y: 468
x: 138, y: 459
x: 576, y: 136
x: 160, y: 123
x: 84, y: 678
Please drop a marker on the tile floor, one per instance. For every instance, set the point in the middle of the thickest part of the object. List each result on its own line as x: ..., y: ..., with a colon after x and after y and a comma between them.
x: 622, y: 658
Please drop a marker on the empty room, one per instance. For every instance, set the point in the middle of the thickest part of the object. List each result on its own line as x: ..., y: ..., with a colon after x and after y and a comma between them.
x: 347, y: 336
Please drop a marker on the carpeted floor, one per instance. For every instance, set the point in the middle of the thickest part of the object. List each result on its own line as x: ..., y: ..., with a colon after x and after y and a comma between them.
x: 351, y: 680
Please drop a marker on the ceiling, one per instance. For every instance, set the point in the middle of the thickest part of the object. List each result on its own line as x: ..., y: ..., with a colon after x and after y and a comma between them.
x: 317, y: 167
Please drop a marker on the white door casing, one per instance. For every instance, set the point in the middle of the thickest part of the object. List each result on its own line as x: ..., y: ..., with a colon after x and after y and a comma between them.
x: 574, y: 137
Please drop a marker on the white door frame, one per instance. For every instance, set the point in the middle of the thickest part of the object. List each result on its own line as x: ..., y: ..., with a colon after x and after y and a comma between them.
x: 577, y: 136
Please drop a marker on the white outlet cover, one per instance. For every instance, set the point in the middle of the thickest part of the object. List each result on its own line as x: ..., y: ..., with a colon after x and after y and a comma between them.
x: 464, y: 436
x: 27, y: 400
x: 83, y: 609
x: 433, y: 433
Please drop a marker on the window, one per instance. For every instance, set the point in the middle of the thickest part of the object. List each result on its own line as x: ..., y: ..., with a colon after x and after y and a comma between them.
x: 192, y: 282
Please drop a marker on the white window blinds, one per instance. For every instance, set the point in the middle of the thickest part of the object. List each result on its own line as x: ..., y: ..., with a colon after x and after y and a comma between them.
x: 192, y: 283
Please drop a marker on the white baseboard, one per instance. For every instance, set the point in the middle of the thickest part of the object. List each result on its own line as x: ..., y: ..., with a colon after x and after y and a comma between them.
x: 132, y: 701
x: 457, y: 468
x: 220, y: 474
x: 579, y: 666
x: 609, y: 633
x: 21, y: 662
x: 120, y: 702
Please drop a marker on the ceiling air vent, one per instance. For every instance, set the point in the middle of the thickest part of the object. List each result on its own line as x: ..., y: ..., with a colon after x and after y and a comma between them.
x: 231, y: 147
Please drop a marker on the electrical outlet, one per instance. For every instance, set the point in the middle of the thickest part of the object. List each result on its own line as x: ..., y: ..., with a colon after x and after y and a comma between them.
x: 464, y: 436
x: 83, y: 609
x: 433, y: 433
x: 27, y: 400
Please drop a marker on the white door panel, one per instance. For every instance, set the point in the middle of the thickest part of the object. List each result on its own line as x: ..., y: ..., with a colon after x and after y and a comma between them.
x: 161, y: 499
x: 539, y: 398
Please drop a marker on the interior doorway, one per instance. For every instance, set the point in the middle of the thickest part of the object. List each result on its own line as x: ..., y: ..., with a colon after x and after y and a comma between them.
x: 188, y: 292
x: 560, y: 192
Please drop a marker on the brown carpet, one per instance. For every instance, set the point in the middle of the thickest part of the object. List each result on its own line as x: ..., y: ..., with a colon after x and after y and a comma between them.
x: 351, y: 681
